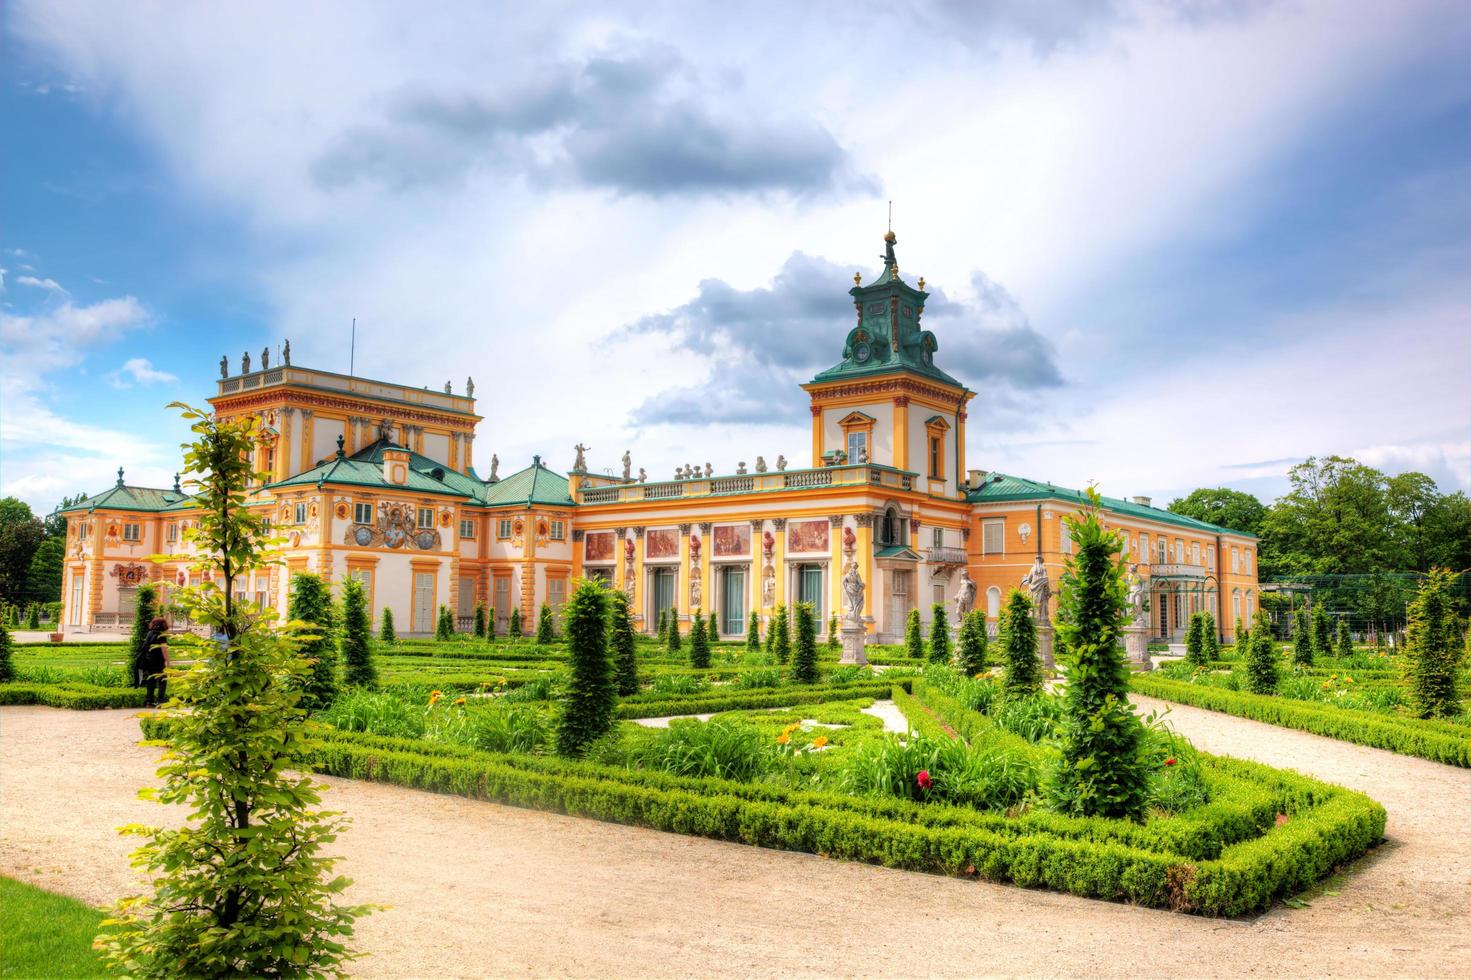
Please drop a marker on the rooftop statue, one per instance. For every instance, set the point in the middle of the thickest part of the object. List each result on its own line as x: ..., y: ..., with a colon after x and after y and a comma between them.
x: 224, y: 366
x: 265, y: 358
x: 245, y: 363
x: 642, y: 476
x: 286, y: 353
x: 760, y: 464
x: 627, y: 464
x: 781, y: 463
x: 495, y: 464
x: 469, y: 387
x: 580, y: 466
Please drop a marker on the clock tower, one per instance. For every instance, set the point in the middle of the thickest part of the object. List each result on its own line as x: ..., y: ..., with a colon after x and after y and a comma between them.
x: 886, y: 402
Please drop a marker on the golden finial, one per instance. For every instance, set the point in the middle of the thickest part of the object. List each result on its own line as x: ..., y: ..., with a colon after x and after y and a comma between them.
x: 921, y: 283
x: 890, y: 237
x: 894, y: 271
x: 857, y: 278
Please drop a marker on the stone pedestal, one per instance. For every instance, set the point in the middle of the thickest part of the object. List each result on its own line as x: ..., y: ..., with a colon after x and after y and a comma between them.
x: 853, y: 640
x: 1136, y: 645
x: 1044, y: 646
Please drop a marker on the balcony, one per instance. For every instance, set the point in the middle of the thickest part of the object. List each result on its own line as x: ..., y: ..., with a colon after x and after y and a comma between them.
x: 946, y: 556
x: 1177, y: 570
x: 859, y: 474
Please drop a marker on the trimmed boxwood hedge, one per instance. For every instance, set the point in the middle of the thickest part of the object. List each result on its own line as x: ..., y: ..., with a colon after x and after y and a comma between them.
x: 1438, y: 741
x: 1250, y: 857
x: 74, y: 695
x: 774, y: 697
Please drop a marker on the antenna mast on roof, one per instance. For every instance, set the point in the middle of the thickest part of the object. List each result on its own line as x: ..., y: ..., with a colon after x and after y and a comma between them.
x: 352, y: 348
x: 891, y: 215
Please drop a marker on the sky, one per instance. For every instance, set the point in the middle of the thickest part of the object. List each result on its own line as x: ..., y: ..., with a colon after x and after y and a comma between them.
x: 1169, y: 245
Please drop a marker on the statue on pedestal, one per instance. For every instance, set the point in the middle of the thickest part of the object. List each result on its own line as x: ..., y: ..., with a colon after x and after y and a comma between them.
x: 642, y: 475
x: 1037, y: 583
x: 224, y: 366
x: 580, y: 465
x: 495, y: 464
x: 469, y: 387
x: 1136, y: 595
x: 760, y: 464
x: 965, y: 595
x: 781, y: 463
x: 245, y: 363
x: 853, y: 589
x: 265, y: 358
x: 627, y: 465
x: 286, y: 353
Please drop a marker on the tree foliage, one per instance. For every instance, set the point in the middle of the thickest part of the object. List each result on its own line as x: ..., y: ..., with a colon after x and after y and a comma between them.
x: 1222, y: 507
x: 385, y: 632
x: 144, y: 612
x: 357, y: 652
x: 242, y: 888
x: 546, y: 626
x: 1099, y: 770
x: 672, y: 640
x: 753, y: 632
x: 1322, y: 631
x: 21, y: 534
x: 310, y: 602
x: 804, y: 650
x: 971, y: 648
x: 1302, y: 638
x: 939, y: 634
x: 1433, y: 648
x: 587, y: 707
x: 1261, y: 657
x: 712, y: 629
x: 623, y: 643
x: 1344, y: 642
x: 780, y: 640
x: 513, y: 628
x: 7, y: 662
x: 1210, y: 638
x: 444, y: 625
x: 913, y: 636
x: 1018, y: 636
x: 480, y: 620
x: 699, y: 643
x: 1195, y: 654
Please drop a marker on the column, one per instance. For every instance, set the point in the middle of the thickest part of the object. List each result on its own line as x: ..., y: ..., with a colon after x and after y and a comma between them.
x: 834, y: 569
x: 469, y: 451
x: 817, y: 446
x: 306, y: 440
x: 620, y: 571
x: 577, y: 547
x: 756, y: 599
x: 640, y: 586
x: 901, y: 432
x: 454, y: 451
x: 779, y: 559
x: 707, y: 582
x: 682, y: 583
x: 865, y: 564
x: 960, y: 418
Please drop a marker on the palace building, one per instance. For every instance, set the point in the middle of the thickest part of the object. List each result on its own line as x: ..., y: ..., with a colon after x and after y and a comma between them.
x: 377, y: 481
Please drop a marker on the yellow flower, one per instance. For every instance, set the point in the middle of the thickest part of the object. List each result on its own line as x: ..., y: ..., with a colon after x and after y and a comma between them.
x: 819, y: 741
x: 1333, y: 677
x: 783, y: 738
x: 791, y: 728
x: 1326, y: 685
x: 459, y: 700
x: 1348, y: 680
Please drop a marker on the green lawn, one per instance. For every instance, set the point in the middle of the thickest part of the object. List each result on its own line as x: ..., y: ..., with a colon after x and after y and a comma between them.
x: 43, y: 934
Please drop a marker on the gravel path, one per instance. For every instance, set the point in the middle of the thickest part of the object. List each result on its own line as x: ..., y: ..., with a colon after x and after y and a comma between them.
x: 482, y: 889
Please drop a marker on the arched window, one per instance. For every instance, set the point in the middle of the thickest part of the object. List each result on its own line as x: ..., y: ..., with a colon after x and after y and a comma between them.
x: 890, y: 533
x: 1236, y: 603
x: 993, y: 602
x: 1249, y: 597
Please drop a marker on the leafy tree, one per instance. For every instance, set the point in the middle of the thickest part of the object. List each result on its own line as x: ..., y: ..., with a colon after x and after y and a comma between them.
x: 43, y: 576
x: 623, y: 643
x: 699, y: 643
x: 1195, y: 654
x: 444, y: 625
x: 386, y: 633
x: 1344, y: 641
x: 712, y: 629
x: 804, y: 651
x: 1322, y: 631
x: 781, y: 635
x: 310, y: 602
x: 513, y: 629
x: 1222, y: 507
x: 1099, y: 770
x: 480, y: 620
x: 144, y: 612
x: 1261, y: 657
x: 1332, y: 521
x: 357, y: 652
x: 672, y: 639
x: 20, y: 535
x: 587, y: 707
x: 1018, y: 636
x: 753, y: 632
x: 971, y: 648
x: 913, y: 636
x: 7, y: 664
x: 242, y: 888
x: 1433, y: 647
x: 546, y: 630
x: 1302, y: 639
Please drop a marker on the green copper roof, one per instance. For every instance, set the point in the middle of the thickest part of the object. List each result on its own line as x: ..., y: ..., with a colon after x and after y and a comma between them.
x: 1000, y: 488
x: 120, y: 496
x: 897, y: 551
x: 888, y: 337
x: 534, y: 485
x: 364, y: 468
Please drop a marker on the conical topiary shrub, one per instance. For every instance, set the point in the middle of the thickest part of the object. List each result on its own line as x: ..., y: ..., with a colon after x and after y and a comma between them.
x: 623, y: 644
x: 913, y: 636
x: 753, y: 633
x: 781, y: 635
x: 357, y: 653
x: 385, y: 632
x: 310, y: 601
x: 1261, y: 658
x: 804, y: 651
x: 699, y: 643
x: 480, y: 620
x: 1018, y: 636
x: 939, y: 635
x: 672, y: 640
x: 444, y: 626
x: 587, y: 707
x: 546, y: 630
x: 971, y: 650
x: 1302, y: 640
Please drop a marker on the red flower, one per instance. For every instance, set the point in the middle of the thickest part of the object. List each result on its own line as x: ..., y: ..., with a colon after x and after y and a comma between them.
x: 923, y: 779
x: 1170, y: 761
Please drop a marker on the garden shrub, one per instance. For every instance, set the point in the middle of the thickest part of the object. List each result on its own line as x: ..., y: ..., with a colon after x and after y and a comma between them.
x: 623, y: 644
x: 804, y: 655
x: 33, y: 617
x: 376, y: 713
x: 546, y: 630
x: 1433, y: 647
x: 834, y: 636
x: 666, y: 685
x: 1195, y: 654
x: 444, y: 625
x: 587, y: 707
x: 1322, y: 630
x: 671, y: 634
x: 144, y: 613
x: 506, y: 728
x: 712, y: 628
x: 913, y: 636
x: 386, y: 633
x: 718, y: 748
x: 357, y: 652
x: 758, y: 677
x: 939, y: 634
x: 1261, y: 657
x: 753, y: 632
x: 1302, y: 639
x: 661, y: 631
x: 971, y: 649
x: 480, y: 620
x: 1210, y: 637
x: 310, y: 602
x: 1343, y: 642
x: 1018, y: 635
x: 938, y: 769
x: 513, y: 628
x: 699, y: 643
x: 7, y: 663
x: 780, y: 638
x: 1035, y: 718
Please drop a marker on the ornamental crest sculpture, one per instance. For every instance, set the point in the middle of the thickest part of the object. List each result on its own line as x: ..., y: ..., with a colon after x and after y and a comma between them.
x: 395, y: 526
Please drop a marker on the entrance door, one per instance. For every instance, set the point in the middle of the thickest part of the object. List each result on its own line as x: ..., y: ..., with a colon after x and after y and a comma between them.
x: 663, y: 591
x: 76, y: 603
x: 900, y: 581
x: 733, y: 601
x: 502, y: 604
x: 423, y: 602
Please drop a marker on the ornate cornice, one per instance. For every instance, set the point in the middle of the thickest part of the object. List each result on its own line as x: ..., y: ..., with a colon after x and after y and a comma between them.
x: 836, y: 520
x: 884, y: 387
x: 270, y: 398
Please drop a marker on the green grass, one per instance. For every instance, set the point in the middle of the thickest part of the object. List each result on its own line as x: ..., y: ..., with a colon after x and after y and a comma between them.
x: 43, y: 934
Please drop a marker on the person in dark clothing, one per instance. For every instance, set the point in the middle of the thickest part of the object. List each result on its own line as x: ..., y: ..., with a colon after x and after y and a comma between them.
x: 154, y: 662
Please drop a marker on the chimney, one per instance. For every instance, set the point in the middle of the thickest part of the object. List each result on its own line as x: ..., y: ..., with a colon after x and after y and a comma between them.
x: 396, y: 466
x: 1142, y: 501
x: 974, y: 478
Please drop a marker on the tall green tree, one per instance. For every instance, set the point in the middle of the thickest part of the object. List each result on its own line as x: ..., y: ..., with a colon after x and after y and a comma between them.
x: 623, y: 643
x: 1099, y: 771
x: 21, y: 534
x: 310, y: 602
x: 1018, y: 636
x: 781, y: 635
x: 43, y: 575
x: 1222, y: 507
x: 699, y: 643
x: 804, y: 651
x: 1332, y: 521
x: 753, y: 632
x: 712, y: 629
x: 939, y: 634
x: 513, y: 628
x: 1322, y: 631
x: 1344, y: 641
x: 661, y: 630
x: 834, y: 636
x: 913, y: 636
x: 971, y: 649
x: 1211, y: 638
x: 546, y: 627
x: 587, y: 707
x: 1433, y: 648
x: 672, y: 640
x: 480, y: 620
x: 242, y: 888
x: 385, y: 632
x: 145, y: 610
x: 1261, y: 657
x: 1195, y: 641
x: 7, y: 663
x: 1302, y: 638
x: 357, y: 652
x: 444, y: 625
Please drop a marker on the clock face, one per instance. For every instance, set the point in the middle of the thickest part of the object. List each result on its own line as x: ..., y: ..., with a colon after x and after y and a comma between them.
x: 862, y: 352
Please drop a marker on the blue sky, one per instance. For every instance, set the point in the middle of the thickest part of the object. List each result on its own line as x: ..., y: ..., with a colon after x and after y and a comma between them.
x: 1171, y: 245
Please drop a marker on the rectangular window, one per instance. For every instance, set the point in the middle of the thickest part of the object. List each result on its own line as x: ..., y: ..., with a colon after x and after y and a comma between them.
x: 467, y: 529
x: 362, y: 513
x: 1067, y: 537
x: 1246, y: 562
x: 1144, y: 546
x: 365, y: 576
x: 1164, y: 551
x: 1124, y: 543
x: 556, y: 593
x: 857, y: 447
x: 993, y: 537
x: 1179, y: 551
x: 503, y: 528
x: 935, y: 471
x: 426, y: 517
x: 937, y: 537
x: 83, y: 530
x: 1210, y: 558
x: 1235, y: 561
x: 132, y: 532
x: 559, y: 531
x: 1195, y: 552
x: 301, y: 513
x: 466, y: 608
x: 173, y: 532
x: 265, y: 524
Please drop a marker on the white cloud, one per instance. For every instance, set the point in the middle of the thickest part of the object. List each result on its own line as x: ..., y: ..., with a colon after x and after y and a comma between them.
x: 50, y: 285
x: 139, y: 370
